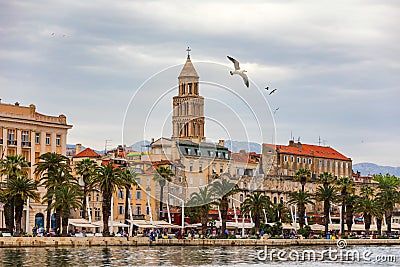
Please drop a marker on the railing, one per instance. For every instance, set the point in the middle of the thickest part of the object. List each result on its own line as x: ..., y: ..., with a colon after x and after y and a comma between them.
x: 12, y: 142
x: 26, y: 144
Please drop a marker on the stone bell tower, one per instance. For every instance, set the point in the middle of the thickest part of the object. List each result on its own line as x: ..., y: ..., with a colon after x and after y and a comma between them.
x: 188, y: 105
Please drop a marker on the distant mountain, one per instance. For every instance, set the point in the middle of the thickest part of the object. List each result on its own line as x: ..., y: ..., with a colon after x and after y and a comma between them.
x: 371, y: 168
x: 236, y: 146
x: 141, y: 146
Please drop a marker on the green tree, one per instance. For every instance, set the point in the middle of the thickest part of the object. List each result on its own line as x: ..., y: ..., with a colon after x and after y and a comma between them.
x: 255, y: 204
x: 49, y: 168
x: 201, y: 201
x: 20, y: 188
x: 163, y: 174
x: 301, y: 199
x: 67, y: 196
x: 86, y: 168
x: 222, y: 189
x: 277, y: 212
x: 388, y: 196
x: 366, y: 205
x: 326, y: 178
x: 12, y: 167
x: 327, y: 194
x: 346, y: 187
x: 107, y: 179
x: 303, y: 175
x: 129, y: 180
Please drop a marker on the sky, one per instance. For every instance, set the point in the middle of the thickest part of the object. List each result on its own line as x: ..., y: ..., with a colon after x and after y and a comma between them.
x: 335, y: 63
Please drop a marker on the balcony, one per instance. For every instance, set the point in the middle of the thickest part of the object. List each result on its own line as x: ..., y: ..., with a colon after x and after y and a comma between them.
x: 26, y: 144
x: 12, y: 142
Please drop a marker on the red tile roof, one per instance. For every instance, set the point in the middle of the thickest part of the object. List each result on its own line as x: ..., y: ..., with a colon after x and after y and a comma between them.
x: 87, y: 153
x: 310, y: 150
x: 238, y: 157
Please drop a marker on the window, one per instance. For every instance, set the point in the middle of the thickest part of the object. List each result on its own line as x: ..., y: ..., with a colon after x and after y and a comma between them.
x: 200, y: 167
x: 47, y: 139
x: 130, y: 194
x: 291, y: 158
x: 25, y: 136
x: 121, y: 209
x: 11, y: 135
x: 58, y: 140
x: 298, y: 160
x: 221, y: 168
x: 275, y: 200
x: 285, y: 172
x: 241, y: 198
x: 304, y: 160
x: 147, y: 181
x: 200, y: 181
x: 191, y: 167
x: 147, y: 210
x: 213, y: 169
x: 37, y: 138
x: 325, y: 163
x: 320, y: 163
x: 97, y: 197
x: 347, y: 165
x: 97, y: 213
x: 285, y: 158
x: 138, y: 209
x: 309, y: 161
x: 191, y: 181
x: 138, y: 194
x: 341, y: 165
x: 336, y: 164
x: 120, y: 193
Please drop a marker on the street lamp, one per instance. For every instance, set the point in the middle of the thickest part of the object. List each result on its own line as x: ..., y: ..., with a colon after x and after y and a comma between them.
x: 183, y: 210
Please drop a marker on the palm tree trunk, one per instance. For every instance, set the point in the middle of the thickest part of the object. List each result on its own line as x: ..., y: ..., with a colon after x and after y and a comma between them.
x: 301, y: 216
x: 11, y: 229
x: 204, y: 219
x: 367, y: 222
x: 326, y: 216
x: 58, y: 221
x: 343, y: 213
x: 127, y: 203
x: 224, y: 211
x: 64, y: 225
x: 7, y: 214
x: 161, y: 202
x: 379, y: 225
x: 257, y: 223
x: 349, y: 217
x: 84, y: 203
x: 388, y: 217
x: 106, y: 206
x: 48, y: 216
x: 19, y: 206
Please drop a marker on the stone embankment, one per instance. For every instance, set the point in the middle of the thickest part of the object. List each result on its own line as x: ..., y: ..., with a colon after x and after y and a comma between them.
x: 143, y: 241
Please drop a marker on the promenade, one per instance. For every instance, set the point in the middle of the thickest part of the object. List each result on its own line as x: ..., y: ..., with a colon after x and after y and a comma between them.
x: 10, y: 242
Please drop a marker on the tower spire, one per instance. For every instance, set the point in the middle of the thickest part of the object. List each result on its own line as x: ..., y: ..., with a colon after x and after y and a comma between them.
x: 188, y: 51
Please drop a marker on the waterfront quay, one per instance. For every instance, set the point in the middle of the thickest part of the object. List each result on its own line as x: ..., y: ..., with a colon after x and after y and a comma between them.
x: 10, y: 242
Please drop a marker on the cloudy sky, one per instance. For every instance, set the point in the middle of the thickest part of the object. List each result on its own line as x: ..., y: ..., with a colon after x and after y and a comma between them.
x: 336, y: 64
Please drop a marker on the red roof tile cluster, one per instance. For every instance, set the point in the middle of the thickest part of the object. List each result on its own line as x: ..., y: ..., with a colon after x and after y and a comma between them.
x: 309, y: 150
x: 239, y: 157
x: 87, y: 153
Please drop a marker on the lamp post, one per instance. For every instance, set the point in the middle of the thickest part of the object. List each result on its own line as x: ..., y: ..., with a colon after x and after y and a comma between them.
x: 183, y: 210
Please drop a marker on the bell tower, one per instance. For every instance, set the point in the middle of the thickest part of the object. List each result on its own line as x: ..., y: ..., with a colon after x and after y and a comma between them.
x: 188, y: 105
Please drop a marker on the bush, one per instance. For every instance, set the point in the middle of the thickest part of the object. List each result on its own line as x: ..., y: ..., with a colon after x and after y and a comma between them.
x: 230, y: 236
x: 305, y: 232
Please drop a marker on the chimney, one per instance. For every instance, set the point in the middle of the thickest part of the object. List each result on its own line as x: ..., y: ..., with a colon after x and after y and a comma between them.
x: 152, y: 140
x: 291, y: 142
x: 298, y: 144
x: 221, y: 142
x: 17, y: 104
x: 78, y: 149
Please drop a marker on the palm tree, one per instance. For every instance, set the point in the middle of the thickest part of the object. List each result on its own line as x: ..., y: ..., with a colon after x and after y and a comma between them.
x: 20, y: 188
x: 129, y: 179
x: 326, y: 178
x: 163, y: 174
x: 202, y: 201
x: 378, y: 212
x: 345, y: 186
x: 365, y: 204
x: 86, y: 169
x: 301, y: 199
x: 67, y: 196
x: 327, y: 194
x: 12, y: 167
x: 302, y: 175
x: 107, y: 178
x: 222, y: 189
x: 350, y: 201
x: 388, y: 195
x: 48, y: 168
x: 277, y: 211
x: 255, y: 204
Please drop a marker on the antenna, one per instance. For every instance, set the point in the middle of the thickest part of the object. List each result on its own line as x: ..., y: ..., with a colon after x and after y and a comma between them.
x: 319, y: 140
x: 291, y: 135
x: 107, y: 142
x: 298, y: 139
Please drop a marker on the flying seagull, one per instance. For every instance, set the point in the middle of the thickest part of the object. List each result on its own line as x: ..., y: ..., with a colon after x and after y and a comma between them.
x: 273, y: 91
x: 239, y: 71
x: 276, y: 110
x: 267, y: 88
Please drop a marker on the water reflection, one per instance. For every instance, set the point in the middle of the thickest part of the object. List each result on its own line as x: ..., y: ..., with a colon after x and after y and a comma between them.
x: 170, y: 256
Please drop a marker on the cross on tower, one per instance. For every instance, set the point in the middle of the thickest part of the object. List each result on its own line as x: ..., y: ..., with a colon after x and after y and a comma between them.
x: 188, y: 50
